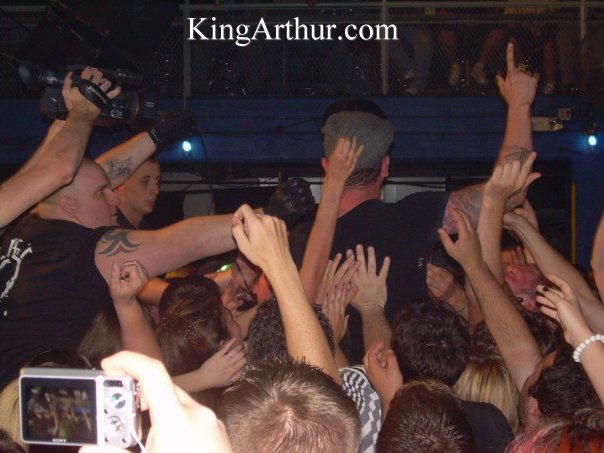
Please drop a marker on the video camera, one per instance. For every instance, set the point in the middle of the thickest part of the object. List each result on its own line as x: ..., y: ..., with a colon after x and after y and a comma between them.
x: 61, y: 406
x: 135, y: 107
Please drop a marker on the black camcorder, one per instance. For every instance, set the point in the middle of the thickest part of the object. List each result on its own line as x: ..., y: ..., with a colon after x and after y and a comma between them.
x: 133, y: 106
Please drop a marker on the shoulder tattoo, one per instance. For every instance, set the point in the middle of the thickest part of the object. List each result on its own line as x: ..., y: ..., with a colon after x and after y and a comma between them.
x: 116, y: 241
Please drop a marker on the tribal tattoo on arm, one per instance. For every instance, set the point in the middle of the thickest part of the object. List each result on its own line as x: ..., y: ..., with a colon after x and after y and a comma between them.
x: 116, y: 241
x: 119, y: 169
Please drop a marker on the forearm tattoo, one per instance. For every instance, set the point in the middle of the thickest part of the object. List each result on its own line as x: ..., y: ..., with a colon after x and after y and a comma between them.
x: 512, y: 153
x: 116, y: 241
x: 119, y: 168
x: 468, y: 200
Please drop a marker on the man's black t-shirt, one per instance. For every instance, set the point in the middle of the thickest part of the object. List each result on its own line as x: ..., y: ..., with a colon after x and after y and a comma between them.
x: 123, y: 222
x: 50, y: 289
x: 405, y: 231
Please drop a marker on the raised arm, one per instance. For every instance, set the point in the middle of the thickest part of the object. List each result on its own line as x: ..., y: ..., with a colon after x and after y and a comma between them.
x: 563, y: 306
x: 121, y: 161
x: 518, y: 90
x: 163, y: 250
x: 550, y: 261
x: 513, y: 337
x: 371, y: 297
x: 340, y: 166
x: 507, y: 180
x: 58, y: 158
x: 597, y: 257
x: 136, y: 332
x: 263, y: 240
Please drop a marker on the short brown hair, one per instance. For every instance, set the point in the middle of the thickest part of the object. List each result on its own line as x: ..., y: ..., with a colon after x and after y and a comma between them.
x: 425, y: 416
x: 285, y: 405
x: 364, y: 176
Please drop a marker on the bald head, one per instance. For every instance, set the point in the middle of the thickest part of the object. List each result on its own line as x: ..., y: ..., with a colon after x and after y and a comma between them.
x: 88, y: 200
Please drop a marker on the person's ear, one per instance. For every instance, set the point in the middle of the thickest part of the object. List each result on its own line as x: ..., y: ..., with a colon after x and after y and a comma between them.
x: 119, y: 194
x: 324, y: 163
x: 385, y: 166
x: 533, y: 408
x: 67, y: 205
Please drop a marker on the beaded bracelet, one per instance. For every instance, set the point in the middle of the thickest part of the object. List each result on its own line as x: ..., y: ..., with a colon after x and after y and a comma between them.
x: 584, y: 344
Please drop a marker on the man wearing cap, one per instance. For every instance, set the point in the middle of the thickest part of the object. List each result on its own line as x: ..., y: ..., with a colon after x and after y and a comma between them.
x: 405, y: 231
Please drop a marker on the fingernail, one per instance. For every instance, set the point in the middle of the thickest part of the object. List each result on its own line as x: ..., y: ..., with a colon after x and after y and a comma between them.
x: 545, y: 289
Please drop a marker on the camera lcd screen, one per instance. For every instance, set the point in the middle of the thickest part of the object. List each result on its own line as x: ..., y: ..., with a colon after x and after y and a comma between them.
x: 61, y: 411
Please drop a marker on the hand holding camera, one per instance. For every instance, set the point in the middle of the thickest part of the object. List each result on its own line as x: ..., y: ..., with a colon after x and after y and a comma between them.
x: 75, y: 101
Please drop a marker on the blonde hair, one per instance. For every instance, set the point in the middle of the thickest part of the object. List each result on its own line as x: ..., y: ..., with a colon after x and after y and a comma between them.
x: 10, y: 420
x: 486, y: 379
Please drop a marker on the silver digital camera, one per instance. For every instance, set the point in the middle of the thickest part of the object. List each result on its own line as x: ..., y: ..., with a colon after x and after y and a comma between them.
x: 78, y: 407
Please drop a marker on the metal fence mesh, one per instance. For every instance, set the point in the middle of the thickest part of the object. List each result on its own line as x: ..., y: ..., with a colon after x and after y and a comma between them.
x: 440, y: 51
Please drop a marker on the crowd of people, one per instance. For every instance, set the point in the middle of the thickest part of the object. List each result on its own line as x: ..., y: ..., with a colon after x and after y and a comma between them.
x: 333, y: 329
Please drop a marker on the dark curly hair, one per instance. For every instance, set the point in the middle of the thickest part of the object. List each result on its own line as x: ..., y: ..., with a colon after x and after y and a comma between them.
x: 266, y: 337
x: 563, y: 388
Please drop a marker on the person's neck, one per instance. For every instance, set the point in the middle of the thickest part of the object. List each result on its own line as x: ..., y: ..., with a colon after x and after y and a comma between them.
x: 354, y: 196
x: 133, y: 217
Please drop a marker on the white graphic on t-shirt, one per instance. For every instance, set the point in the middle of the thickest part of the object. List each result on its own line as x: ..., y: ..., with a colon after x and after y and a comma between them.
x: 11, y: 264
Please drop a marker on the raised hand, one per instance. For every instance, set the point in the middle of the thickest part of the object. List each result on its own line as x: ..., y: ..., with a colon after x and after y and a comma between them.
x: 343, y: 160
x: 443, y: 286
x: 509, y: 179
x: 334, y: 307
x: 383, y: 372
x: 178, y: 423
x: 466, y: 250
x: 261, y: 238
x: 372, y: 290
x: 75, y: 101
x: 519, y: 86
x: 126, y: 281
x: 563, y: 306
x: 335, y: 274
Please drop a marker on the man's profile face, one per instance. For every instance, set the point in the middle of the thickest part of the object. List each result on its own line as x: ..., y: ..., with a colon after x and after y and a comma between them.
x: 138, y: 194
x: 95, y: 203
x: 522, y: 280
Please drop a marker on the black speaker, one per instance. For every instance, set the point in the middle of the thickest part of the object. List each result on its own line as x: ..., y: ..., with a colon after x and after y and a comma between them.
x: 109, y: 33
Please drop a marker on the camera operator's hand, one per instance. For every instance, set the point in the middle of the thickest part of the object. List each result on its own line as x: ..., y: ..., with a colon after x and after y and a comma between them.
x: 178, y: 423
x: 76, y: 102
x: 291, y: 201
x: 168, y: 130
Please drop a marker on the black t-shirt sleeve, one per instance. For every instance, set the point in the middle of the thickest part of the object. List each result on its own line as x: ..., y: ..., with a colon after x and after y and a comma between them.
x: 84, y: 261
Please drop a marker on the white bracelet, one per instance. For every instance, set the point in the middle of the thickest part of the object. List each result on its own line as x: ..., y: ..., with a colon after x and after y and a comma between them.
x: 584, y: 344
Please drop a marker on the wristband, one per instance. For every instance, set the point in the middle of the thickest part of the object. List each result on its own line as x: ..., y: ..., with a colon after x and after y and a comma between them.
x: 584, y: 344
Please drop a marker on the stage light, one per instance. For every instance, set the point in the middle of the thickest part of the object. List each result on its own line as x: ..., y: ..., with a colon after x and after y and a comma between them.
x: 186, y: 146
x: 591, y: 133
